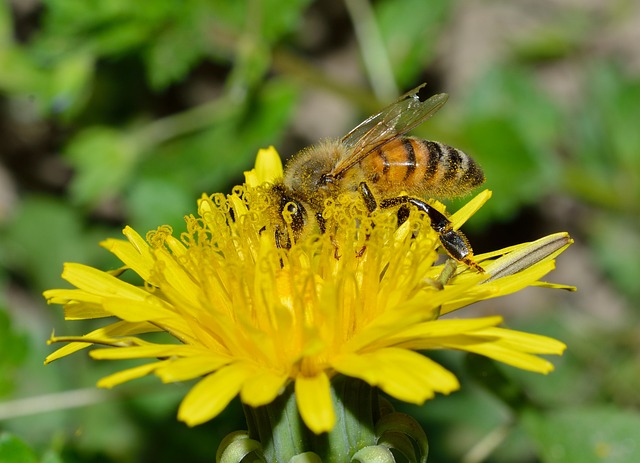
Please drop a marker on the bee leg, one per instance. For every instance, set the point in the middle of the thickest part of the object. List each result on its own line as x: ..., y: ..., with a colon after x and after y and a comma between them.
x: 322, y: 223
x: 454, y: 242
x: 367, y: 196
x: 282, y: 238
x: 371, y: 203
x: 403, y: 214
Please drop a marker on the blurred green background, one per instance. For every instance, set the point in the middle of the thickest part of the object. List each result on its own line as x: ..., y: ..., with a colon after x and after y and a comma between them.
x: 122, y: 112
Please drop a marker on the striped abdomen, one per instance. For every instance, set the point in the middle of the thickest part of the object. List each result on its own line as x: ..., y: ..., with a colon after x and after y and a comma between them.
x: 421, y: 167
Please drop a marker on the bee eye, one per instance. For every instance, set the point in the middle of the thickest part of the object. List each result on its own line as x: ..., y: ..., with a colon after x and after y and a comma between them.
x: 292, y: 208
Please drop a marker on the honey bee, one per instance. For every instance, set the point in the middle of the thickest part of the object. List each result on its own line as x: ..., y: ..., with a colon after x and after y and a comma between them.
x: 386, y: 168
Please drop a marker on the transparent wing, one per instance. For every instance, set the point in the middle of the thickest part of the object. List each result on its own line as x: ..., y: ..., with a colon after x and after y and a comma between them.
x: 395, y: 120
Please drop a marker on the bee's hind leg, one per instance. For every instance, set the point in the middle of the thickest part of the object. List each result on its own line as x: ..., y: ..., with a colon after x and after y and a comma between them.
x: 453, y: 241
x: 450, y: 238
x: 371, y: 203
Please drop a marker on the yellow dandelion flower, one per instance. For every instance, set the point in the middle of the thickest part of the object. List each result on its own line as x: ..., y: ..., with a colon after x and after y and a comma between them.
x: 249, y: 318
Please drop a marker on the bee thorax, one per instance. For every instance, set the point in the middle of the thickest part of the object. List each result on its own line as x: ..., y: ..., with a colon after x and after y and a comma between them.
x: 308, y: 173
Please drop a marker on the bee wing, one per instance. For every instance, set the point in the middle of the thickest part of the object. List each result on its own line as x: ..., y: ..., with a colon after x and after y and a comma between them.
x: 395, y: 120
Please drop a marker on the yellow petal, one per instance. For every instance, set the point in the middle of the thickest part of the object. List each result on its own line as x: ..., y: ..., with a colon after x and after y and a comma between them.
x: 433, y: 330
x: 511, y: 357
x: 63, y: 296
x: 213, y: 393
x: 100, y: 283
x: 108, y: 333
x: 84, y: 311
x: 502, y: 286
x: 465, y: 212
x: 404, y: 374
x: 313, y: 396
x: 181, y: 288
x: 508, y: 346
x: 127, y: 375
x: 183, y: 369
x: 515, y: 348
x: 147, y: 351
x: 267, y: 169
x: 262, y: 388
x: 529, y: 342
x: 150, y: 309
x: 134, y: 253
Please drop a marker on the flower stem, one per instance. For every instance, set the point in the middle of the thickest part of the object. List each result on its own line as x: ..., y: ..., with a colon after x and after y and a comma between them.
x: 283, y: 435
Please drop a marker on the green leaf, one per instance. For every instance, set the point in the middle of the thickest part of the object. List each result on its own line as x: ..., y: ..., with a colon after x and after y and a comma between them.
x: 105, y: 27
x: 52, y: 81
x: 6, y: 25
x: 410, y: 30
x: 604, y: 165
x: 615, y: 242
x: 585, y: 435
x: 487, y: 373
x: 180, y: 41
x: 511, y: 128
x: 51, y: 457
x: 556, y: 39
x: 14, y: 347
x: 213, y: 159
x: 64, y: 87
x: 511, y: 92
x: 104, y: 159
x: 44, y: 234
x: 155, y: 201
x: 269, y: 113
x: 172, y: 54
x: 285, y: 21
x: 14, y: 450
x: 508, y: 163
